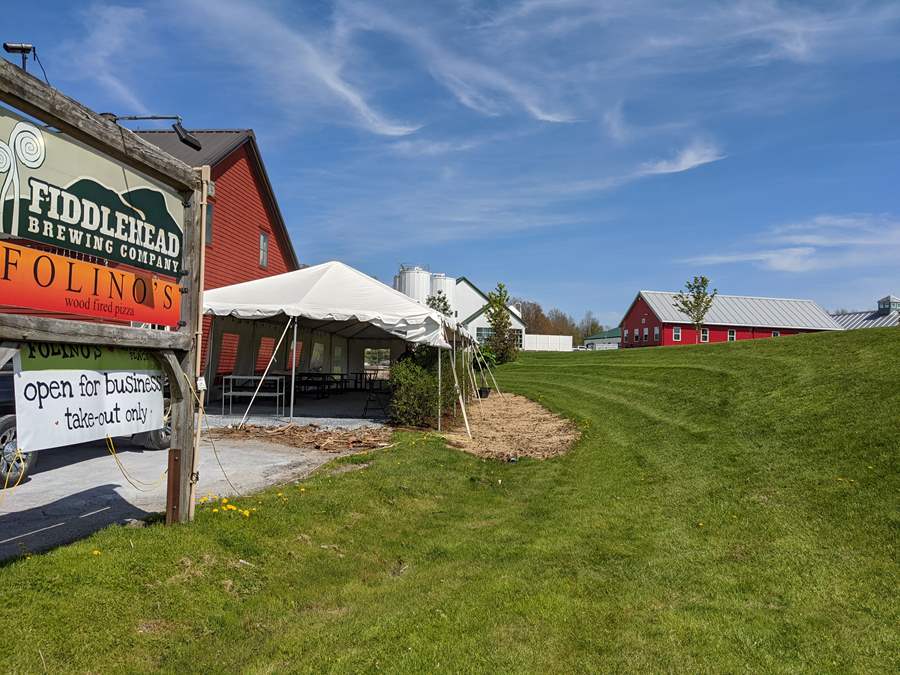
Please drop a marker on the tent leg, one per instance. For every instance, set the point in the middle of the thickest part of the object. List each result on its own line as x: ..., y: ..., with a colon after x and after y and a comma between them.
x: 293, y: 368
x: 461, y: 404
x: 265, y: 372
x: 470, y: 373
x: 440, y: 408
x: 490, y: 372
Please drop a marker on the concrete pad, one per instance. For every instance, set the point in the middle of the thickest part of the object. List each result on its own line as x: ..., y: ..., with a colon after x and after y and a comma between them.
x: 337, y: 411
x: 77, y: 490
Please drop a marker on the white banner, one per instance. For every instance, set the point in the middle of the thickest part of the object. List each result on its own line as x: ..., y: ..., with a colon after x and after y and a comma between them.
x: 67, y: 394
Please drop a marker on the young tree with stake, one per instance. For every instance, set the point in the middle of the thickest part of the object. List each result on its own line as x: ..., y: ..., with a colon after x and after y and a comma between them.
x: 695, y: 301
x: 502, y: 341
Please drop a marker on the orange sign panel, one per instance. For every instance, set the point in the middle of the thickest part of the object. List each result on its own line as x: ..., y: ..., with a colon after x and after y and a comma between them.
x: 39, y: 280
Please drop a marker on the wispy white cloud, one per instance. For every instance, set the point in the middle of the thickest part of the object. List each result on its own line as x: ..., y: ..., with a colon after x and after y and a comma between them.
x: 697, y: 153
x: 476, y: 84
x: 824, y: 242
x: 291, y: 66
x: 429, y: 148
x: 102, y: 53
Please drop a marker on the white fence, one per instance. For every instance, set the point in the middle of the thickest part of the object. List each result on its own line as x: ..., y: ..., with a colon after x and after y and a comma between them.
x: 597, y: 346
x: 547, y: 343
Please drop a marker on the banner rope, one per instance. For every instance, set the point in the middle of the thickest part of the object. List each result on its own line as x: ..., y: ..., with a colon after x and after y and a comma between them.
x: 111, y: 447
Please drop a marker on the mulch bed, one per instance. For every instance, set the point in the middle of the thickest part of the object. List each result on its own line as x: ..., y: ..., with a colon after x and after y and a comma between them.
x: 512, y: 426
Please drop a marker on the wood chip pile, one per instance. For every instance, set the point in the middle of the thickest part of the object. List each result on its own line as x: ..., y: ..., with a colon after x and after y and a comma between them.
x: 511, y: 427
x: 313, y: 436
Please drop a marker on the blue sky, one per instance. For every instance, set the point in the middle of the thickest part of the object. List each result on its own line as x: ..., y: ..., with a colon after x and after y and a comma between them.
x: 578, y: 150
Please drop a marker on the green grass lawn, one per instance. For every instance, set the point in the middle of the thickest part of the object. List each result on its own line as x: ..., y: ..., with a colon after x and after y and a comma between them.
x: 730, y: 507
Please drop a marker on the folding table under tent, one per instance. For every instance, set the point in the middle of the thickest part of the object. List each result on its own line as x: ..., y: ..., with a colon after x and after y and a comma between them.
x: 331, y: 304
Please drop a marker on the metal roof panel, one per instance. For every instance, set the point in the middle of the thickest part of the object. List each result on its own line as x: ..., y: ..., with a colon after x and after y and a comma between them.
x: 741, y: 310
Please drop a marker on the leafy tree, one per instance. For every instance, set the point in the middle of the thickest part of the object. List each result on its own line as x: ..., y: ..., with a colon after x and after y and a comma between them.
x: 439, y: 302
x: 588, y: 326
x: 533, y: 316
x: 502, y: 340
x: 695, y: 301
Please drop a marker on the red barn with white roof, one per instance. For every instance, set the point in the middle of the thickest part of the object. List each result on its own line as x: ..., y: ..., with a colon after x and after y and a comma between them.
x: 653, y: 321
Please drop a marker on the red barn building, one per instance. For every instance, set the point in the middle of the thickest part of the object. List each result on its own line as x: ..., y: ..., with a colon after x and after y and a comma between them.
x: 653, y: 321
x: 246, y: 237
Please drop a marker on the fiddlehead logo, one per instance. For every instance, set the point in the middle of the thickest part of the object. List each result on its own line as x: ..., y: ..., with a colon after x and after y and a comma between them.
x: 25, y: 147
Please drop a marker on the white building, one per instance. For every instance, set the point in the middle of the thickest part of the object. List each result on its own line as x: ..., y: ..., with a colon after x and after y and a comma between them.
x: 467, y: 301
x: 470, y: 303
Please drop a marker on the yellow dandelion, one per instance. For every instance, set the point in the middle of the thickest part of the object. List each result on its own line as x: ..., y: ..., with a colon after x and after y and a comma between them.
x: 215, y: 510
x: 280, y: 494
x: 246, y: 513
x: 202, y: 500
x: 95, y: 552
x: 700, y: 524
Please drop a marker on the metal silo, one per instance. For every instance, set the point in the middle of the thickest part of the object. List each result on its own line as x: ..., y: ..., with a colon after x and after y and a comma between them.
x: 441, y: 282
x: 415, y: 281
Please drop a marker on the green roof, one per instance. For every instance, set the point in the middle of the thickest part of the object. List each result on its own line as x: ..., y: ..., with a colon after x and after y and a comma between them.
x: 611, y: 333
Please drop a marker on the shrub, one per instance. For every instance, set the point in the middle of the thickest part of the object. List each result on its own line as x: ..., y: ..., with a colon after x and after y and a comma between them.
x: 414, y: 400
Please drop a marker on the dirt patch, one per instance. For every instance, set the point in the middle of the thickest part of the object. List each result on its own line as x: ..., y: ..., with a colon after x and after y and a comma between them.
x: 312, y: 436
x: 514, y: 426
x: 152, y: 626
x: 347, y: 468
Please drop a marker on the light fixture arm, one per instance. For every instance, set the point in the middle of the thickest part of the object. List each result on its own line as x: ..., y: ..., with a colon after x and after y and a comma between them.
x: 183, y: 135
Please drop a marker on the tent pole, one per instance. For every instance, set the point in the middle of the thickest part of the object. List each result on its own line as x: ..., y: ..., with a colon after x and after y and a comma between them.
x: 293, y: 368
x: 440, y: 409
x: 459, y: 396
x: 471, y: 370
x: 265, y: 372
x: 453, y: 364
x: 470, y: 377
x: 493, y: 379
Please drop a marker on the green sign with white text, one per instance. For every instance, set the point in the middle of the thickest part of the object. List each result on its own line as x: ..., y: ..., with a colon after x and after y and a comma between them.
x: 56, y: 191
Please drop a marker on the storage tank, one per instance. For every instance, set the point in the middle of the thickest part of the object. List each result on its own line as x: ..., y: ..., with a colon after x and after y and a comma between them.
x: 415, y: 282
x: 441, y: 282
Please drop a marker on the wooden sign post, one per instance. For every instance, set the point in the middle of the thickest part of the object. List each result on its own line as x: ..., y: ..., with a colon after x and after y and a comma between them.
x: 125, y: 235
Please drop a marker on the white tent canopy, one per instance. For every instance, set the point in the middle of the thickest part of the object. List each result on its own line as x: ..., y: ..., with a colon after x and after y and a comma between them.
x: 352, y: 309
x: 345, y: 301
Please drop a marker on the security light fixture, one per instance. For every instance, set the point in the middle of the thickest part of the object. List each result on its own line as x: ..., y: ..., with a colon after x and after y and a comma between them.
x: 183, y: 135
x: 23, y: 48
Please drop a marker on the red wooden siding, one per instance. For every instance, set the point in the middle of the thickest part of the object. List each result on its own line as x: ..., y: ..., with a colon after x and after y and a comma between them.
x: 720, y: 333
x: 639, y: 318
x: 240, y: 213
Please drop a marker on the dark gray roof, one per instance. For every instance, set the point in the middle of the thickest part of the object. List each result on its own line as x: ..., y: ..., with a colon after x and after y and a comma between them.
x: 741, y: 310
x: 853, y: 320
x: 217, y: 144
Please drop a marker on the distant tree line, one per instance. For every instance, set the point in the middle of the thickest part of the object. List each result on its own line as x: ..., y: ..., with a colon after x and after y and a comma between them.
x: 557, y: 322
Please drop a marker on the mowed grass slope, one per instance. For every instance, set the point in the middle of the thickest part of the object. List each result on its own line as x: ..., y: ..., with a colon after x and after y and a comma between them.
x: 729, y: 507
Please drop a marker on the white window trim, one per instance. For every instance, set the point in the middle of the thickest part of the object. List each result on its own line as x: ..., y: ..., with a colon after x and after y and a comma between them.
x: 776, y: 333
x: 656, y: 333
x: 732, y: 335
x: 264, y: 250
x: 646, y: 334
x: 704, y: 335
x: 676, y: 333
